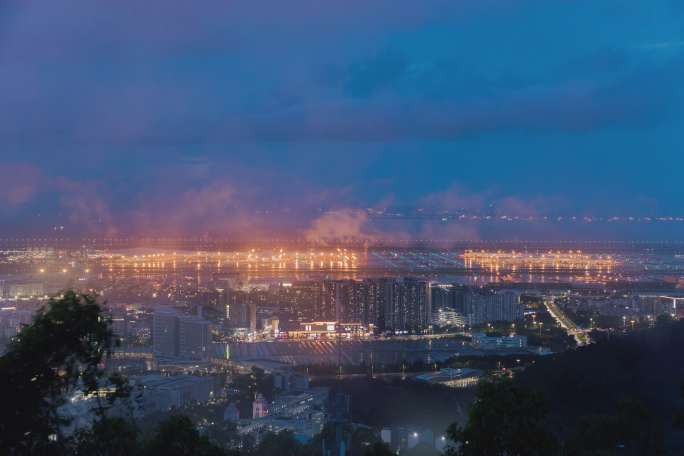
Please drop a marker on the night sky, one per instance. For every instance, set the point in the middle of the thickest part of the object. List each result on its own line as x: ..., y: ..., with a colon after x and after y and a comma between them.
x: 226, y: 117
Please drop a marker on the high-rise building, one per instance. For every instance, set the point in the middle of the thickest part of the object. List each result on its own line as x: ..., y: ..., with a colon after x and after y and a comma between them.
x: 387, y: 304
x: 409, y: 309
x: 484, y: 306
x: 237, y: 308
x: 194, y: 337
x: 330, y: 303
x: 165, y: 332
x: 379, y: 301
x: 252, y: 316
x: 120, y: 329
x: 259, y: 406
x: 442, y: 296
x: 178, y: 335
x: 300, y: 299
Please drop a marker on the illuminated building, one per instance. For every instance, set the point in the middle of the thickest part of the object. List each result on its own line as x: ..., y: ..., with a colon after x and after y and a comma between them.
x: 397, y: 305
x: 330, y: 330
x: 485, y: 342
x: 259, y: 406
x: 353, y: 301
x: 120, y: 329
x: 379, y: 300
x: 446, y: 317
x: 300, y: 299
x: 409, y: 309
x: 453, y: 378
x: 442, y: 296
x: 252, y: 316
x: 675, y: 305
x: 330, y: 305
x: 26, y: 289
x: 271, y: 326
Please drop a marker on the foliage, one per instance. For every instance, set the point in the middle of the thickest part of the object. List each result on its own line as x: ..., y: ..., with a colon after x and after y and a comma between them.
x: 617, y: 396
x: 282, y: 444
x: 59, y: 353
x: 504, y: 420
x: 362, y: 440
x: 422, y: 449
x: 379, y: 449
x: 107, y: 437
x: 630, y: 429
x: 177, y: 436
x: 248, y: 385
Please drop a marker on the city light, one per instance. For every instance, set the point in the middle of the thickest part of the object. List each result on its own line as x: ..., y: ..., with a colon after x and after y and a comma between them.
x: 552, y: 260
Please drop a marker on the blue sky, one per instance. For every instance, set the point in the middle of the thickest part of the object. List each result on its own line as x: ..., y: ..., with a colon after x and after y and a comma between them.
x: 128, y: 115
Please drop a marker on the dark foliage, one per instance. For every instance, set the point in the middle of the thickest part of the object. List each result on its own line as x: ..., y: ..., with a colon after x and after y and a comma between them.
x: 630, y: 382
x: 505, y: 419
x: 107, y: 437
x: 379, y: 449
x: 61, y: 351
x: 177, y: 436
x: 620, y: 396
x: 283, y: 443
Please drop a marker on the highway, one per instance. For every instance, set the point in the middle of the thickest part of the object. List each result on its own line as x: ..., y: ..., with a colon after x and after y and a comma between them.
x: 566, y: 323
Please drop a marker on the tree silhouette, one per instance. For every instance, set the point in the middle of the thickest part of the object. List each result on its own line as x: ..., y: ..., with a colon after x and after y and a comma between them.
x: 177, y: 436
x: 59, y: 353
x: 379, y: 449
x: 505, y: 420
x: 108, y: 437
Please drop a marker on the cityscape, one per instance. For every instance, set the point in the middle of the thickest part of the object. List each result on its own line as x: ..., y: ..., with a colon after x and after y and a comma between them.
x: 378, y: 228
x: 192, y: 325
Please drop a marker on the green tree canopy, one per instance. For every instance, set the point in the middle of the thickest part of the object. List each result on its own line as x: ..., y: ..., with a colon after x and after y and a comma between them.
x: 505, y: 420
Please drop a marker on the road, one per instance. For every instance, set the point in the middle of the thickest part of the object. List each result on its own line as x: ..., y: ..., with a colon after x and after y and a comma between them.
x: 566, y: 323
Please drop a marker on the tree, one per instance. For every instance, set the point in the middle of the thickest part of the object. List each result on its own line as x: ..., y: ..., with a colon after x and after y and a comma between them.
x: 505, y: 419
x: 281, y: 444
x: 59, y: 353
x: 379, y: 449
x: 108, y: 437
x: 422, y: 449
x: 631, y: 429
x: 177, y: 436
x: 362, y: 440
x: 248, y: 385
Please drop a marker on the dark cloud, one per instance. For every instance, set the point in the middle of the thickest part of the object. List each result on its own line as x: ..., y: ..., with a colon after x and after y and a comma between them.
x: 19, y: 183
x: 164, y: 113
